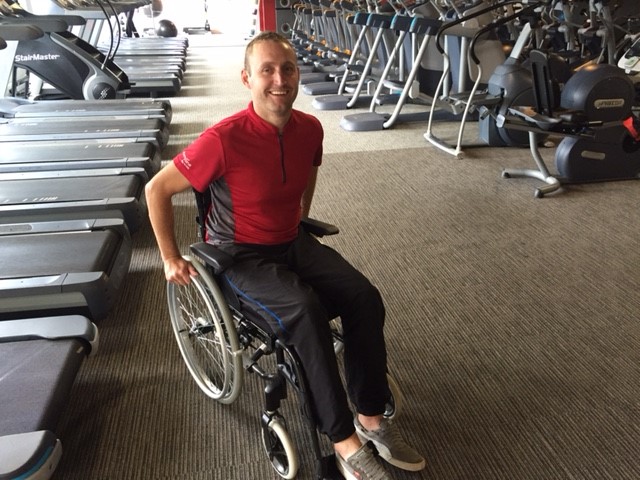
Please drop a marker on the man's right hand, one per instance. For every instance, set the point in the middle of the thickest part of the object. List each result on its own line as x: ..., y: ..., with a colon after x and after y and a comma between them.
x: 178, y: 270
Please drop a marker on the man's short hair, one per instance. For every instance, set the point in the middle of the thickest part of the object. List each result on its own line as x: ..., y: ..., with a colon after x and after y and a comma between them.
x: 266, y: 36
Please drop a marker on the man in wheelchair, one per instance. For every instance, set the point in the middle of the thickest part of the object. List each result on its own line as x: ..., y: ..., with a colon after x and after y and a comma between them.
x: 260, y: 168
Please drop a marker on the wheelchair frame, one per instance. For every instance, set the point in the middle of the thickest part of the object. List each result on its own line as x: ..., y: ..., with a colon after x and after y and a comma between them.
x: 219, y: 342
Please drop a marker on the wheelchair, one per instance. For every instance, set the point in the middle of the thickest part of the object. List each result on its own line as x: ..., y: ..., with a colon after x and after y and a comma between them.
x: 220, y: 340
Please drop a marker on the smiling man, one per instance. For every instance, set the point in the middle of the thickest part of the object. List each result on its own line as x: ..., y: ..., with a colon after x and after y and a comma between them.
x: 272, y: 79
x: 260, y: 166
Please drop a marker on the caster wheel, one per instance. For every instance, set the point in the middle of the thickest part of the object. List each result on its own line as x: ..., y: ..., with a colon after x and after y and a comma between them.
x: 279, y: 448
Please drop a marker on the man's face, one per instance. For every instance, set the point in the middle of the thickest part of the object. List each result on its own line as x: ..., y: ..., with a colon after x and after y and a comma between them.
x: 273, y: 78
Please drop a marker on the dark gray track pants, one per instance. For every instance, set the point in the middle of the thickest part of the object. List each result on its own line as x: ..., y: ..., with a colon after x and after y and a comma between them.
x: 298, y: 288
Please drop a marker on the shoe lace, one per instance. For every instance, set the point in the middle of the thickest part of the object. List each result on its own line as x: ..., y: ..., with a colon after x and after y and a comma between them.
x: 391, y: 436
x: 369, y: 467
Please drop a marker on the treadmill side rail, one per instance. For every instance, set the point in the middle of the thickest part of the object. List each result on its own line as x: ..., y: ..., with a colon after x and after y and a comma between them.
x: 51, y: 328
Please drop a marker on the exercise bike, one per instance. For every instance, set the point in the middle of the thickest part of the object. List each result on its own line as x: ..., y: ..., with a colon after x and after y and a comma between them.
x: 593, y: 113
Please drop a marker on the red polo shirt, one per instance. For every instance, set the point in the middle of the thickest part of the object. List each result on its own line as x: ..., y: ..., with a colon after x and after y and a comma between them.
x: 256, y: 175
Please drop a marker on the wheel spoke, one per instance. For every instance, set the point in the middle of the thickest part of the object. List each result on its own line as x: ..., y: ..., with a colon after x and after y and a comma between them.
x: 206, y: 335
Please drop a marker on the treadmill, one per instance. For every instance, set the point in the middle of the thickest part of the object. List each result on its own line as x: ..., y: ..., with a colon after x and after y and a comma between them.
x: 138, y: 108
x: 75, y: 67
x: 133, y: 69
x: 145, y: 82
x: 41, y: 359
x: 62, y: 267
x: 68, y: 126
x: 96, y: 194
x: 153, y: 64
x: 73, y: 128
x: 76, y: 174
x: 169, y: 60
x: 18, y: 30
x: 77, y: 155
x: 151, y: 71
x: 131, y: 49
x: 125, y: 61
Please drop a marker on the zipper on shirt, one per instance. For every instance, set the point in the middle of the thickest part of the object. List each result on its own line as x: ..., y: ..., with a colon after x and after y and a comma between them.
x: 284, y: 172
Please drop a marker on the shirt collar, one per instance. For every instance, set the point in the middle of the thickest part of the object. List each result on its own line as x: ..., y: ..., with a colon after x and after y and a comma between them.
x: 263, y: 124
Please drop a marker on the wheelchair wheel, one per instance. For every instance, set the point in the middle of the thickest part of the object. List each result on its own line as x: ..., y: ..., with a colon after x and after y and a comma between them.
x: 205, y: 331
x: 279, y: 447
x: 395, y: 403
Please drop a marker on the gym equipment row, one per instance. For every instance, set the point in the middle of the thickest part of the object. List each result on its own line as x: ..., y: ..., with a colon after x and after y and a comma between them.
x: 469, y: 61
x: 72, y: 176
x: 87, y: 134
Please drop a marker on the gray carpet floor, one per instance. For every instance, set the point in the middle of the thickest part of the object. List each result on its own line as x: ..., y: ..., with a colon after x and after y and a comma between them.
x: 512, y: 321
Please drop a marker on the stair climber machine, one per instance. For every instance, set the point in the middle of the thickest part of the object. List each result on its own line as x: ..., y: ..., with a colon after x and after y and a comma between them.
x: 372, y: 52
x: 414, y: 34
x: 71, y: 65
x: 322, y: 45
x: 10, y: 35
x: 333, y: 57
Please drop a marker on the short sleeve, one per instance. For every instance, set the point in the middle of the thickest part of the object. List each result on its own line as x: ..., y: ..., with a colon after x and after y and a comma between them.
x: 203, y: 161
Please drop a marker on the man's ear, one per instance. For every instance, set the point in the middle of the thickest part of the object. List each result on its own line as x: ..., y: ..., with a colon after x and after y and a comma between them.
x: 244, y: 76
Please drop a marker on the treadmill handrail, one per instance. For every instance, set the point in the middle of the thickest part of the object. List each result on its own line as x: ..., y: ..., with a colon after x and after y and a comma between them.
x: 51, y: 328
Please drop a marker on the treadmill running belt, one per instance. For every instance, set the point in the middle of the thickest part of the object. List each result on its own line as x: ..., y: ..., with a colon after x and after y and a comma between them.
x: 22, y: 152
x: 36, y: 377
x: 51, y: 254
x: 18, y: 192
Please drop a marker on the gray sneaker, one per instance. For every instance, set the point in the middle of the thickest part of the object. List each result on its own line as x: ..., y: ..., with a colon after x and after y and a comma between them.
x: 391, y: 446
x: 362, y: 465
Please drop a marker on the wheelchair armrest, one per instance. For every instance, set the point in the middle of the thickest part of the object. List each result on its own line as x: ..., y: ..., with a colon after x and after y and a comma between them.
x: 212, y: 256
x: 318, y: 228
x: 219, y: 260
